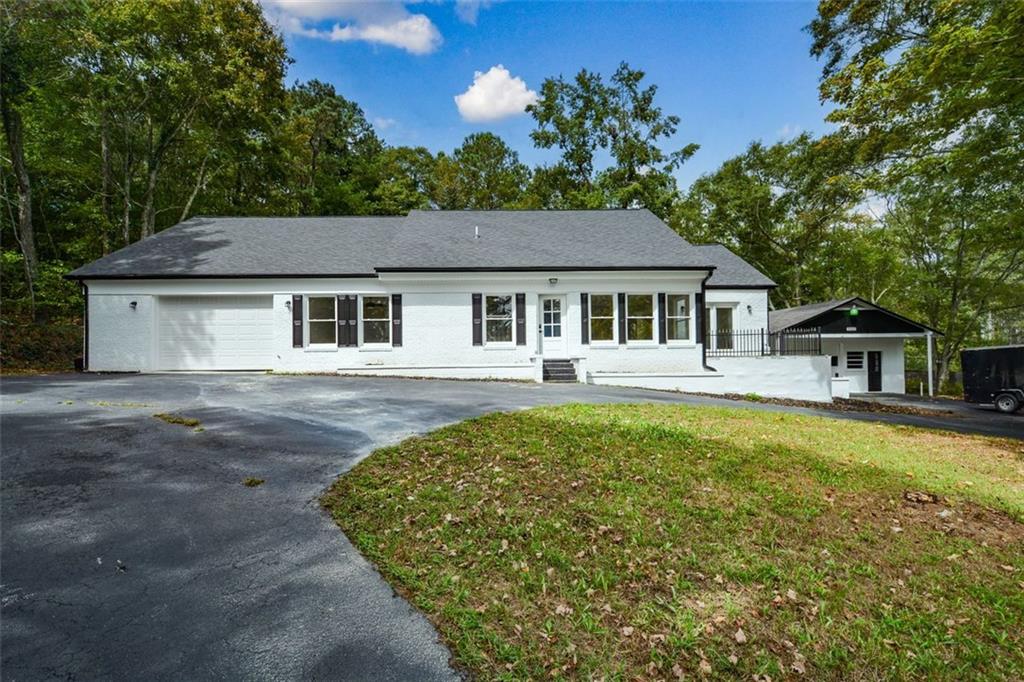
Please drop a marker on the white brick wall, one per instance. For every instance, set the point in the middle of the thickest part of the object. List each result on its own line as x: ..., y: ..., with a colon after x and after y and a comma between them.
x: 437, y: 323
x: 120, y: 338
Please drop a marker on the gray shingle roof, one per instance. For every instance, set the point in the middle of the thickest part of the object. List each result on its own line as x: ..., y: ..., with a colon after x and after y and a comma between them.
x: 793, y: 318
x: 234, y: 247
x: 787, y: 318
x: 731, y: 270
x: 423, y: 240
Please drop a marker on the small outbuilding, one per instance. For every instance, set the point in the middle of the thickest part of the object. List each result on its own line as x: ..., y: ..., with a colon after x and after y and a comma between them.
x: 864, y: 340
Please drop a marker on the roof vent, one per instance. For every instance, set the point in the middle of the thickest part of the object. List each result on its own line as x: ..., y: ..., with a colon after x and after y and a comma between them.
x: 476, y: 232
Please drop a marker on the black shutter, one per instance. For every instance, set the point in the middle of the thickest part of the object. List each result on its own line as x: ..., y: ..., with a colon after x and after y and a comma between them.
x: 662, y: 320
x: 297, y: 321
x: 342, y: 320
x: 396, y: 319
x: 353, y: 319
x: 584, y: 319
x: 478, y: 326
x: 520, y: 319
x: 622, y: 318
x: 698, y: 311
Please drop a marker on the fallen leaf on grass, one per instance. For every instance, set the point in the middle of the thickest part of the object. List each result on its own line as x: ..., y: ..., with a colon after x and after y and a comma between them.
x: 740, y: 636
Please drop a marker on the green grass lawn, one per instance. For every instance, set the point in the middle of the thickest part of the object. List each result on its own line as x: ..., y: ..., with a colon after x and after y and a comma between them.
x: 660, y: 542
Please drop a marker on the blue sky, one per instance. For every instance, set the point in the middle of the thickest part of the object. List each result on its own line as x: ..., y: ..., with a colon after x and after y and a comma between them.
x: 734, y: 72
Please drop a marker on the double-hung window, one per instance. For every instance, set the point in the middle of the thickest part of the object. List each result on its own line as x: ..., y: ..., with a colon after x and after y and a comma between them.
x: 323, y: 320
x: 376, y: 319
x: 677, y: 316
x: 498, y: 318
x: 602, y: 317
x: 640, y: 317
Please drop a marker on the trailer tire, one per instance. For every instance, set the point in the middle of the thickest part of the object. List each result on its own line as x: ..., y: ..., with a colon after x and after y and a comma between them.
x: 1007, y: 403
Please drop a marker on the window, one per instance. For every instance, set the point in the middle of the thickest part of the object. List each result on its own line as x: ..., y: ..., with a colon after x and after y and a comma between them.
x: 552, y: 318
x: 678, y: 317
x: 498, y: 319
x: 323, y: 321
x: 376, y: 319
x: 723, y: 328
x: 602, y: 317
x: 855, y: 359
x: 640, y: 317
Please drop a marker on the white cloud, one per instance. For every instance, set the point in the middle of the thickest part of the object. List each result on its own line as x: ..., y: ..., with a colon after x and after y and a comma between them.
x: 789, y: 130
x: 384, y: 23
x: 494, y: 95
x: 382, y: 123
x: 468, y: 10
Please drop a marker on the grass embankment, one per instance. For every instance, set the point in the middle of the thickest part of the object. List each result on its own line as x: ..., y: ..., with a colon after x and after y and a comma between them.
x: 656, y: 542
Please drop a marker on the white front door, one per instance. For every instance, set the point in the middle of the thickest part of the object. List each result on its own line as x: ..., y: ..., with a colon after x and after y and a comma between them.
x: 552, y: 327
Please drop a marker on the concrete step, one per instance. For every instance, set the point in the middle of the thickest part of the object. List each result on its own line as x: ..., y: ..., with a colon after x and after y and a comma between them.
x: 559, y: 371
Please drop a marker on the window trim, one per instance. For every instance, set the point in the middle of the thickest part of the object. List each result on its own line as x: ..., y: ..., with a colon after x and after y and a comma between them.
x: 376, y: 344
x: 614, y: 318
x: 690, y: 340
x: 485, y: 318
x: 712, y: 320
x: 653, y: 341
x: 309, y: 318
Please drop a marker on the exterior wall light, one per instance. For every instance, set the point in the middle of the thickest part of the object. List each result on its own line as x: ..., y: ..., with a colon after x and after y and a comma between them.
x: 133, y: 305
x: 288, y: 304
x: 853, y: 311
x: 552, y: 280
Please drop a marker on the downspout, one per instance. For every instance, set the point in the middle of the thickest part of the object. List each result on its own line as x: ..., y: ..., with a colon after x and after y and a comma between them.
x: 85, y: 322
x: 700, y: 322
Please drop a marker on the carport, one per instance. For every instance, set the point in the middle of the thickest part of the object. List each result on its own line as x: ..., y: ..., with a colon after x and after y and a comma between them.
x: 864, y: 340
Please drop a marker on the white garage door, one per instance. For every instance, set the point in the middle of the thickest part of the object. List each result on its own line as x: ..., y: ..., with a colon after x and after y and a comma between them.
x: 216, y: 332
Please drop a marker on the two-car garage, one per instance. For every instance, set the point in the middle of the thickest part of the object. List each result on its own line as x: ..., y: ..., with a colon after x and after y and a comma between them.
x: 214, y: 332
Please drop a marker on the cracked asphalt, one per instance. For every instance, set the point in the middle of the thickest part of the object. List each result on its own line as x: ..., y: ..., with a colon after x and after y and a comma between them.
x: 130, y: 547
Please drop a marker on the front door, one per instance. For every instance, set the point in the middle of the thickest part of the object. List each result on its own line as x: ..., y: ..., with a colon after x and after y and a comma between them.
x: 874, y: 370
x: 552, y: 327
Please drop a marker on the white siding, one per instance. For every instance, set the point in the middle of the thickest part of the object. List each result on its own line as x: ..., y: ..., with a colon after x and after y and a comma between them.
x: 437, y: 324
x: 893, y: 377
x: 749, y: 306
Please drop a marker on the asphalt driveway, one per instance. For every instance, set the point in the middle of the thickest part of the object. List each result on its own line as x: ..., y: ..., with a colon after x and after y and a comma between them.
x: 131, y: 549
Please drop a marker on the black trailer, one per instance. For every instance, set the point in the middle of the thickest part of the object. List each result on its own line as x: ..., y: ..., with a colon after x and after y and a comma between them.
x: 994, y: 376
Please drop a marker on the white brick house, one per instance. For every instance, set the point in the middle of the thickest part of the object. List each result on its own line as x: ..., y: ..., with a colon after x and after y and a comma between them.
x: 610, y: 297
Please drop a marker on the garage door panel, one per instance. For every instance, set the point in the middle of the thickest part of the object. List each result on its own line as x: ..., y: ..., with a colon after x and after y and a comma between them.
x: 215, y: 332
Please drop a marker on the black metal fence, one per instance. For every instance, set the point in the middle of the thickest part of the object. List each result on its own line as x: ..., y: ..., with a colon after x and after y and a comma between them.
x: 739, y: 343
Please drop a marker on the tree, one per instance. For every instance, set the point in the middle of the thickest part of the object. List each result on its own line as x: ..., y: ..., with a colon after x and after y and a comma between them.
x: 30, y: 56
x: 930, y: 94
x: 159, y: 72
x: 962, y: 268
x: 586, y: 115
x: 783, y: 208
x: 483, y: 173
x: 404, y: 180
x: 915, y: 79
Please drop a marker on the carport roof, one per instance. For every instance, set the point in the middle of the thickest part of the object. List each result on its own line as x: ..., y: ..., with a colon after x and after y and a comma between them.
x: 805, y: 315
x: 423, y: 241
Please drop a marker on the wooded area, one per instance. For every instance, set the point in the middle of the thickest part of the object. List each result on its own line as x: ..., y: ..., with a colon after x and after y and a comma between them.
x: 123, y: 117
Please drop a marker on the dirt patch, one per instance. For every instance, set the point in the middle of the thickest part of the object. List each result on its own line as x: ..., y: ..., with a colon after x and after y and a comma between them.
x: 837, y: 405
x: 962, y: 518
